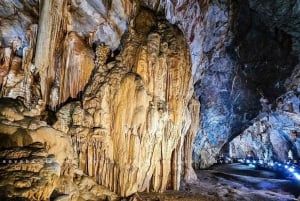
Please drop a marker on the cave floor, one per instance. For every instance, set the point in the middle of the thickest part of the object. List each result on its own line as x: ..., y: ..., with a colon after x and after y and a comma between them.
x: 232, y: 182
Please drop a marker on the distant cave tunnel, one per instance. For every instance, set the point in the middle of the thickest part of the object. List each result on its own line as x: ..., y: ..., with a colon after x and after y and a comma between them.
x: 259, y: 67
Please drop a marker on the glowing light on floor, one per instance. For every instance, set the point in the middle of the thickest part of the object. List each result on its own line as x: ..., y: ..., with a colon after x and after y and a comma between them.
x: 251, y: 165
x: 297, y: 175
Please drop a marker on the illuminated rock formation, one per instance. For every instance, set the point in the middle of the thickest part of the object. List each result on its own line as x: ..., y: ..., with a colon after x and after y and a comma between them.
x: 134, y: 108
x: 28, y: 172
x: 274, y: 134
x: 130, y: 129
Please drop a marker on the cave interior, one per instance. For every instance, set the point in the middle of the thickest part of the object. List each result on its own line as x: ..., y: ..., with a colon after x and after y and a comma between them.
x: 149, y: 100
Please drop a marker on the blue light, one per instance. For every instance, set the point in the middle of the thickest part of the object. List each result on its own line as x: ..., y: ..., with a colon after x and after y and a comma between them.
x: 297, y: 175
x: 291, y: 169
x: 254, y: 161
x: 286, y: 167
x: 279, y: 164
x: 251, y: 165
x: 247, y: 161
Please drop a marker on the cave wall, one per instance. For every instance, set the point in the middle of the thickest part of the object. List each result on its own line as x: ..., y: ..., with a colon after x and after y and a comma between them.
x: 274, y: 134
x: 238, y: 56
x: 276, y: 58
x: 46, y: 46
x: 252, y: 59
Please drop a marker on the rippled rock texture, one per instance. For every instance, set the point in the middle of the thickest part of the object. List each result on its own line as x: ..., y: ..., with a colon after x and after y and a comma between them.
x: 129, y: 130
x: 28, y: 172
x: 37, y: 161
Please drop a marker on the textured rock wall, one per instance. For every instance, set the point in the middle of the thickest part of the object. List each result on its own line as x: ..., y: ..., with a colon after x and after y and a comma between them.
x: 46, y: 46
x: 37, y: 161
x: 130, y: 128
x: 275, y: 58
x: 28, y: 172
x: 245, y: 58
x: 134, y: 109
x: 274, y: 135
x: 210, y: 28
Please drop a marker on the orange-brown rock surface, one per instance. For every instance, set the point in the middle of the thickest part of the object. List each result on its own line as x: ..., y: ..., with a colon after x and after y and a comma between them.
x: 28, y: 172
x: 37, y: 161
x: 130, y: 128
x: 123, y: 118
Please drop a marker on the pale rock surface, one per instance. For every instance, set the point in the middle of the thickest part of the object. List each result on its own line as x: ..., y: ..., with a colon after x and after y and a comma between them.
x: 46, y: 46
x: 187, y: 158
x: 37, y: 161
x: 134, y: 111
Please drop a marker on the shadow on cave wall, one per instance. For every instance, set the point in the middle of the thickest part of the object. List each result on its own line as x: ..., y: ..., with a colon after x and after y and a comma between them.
x: 265, y: 58
x: 265, y: 54
x: 255, y: 64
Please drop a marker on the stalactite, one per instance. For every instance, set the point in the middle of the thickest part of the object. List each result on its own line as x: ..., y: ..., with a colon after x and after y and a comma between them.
x: 139, y: 104
x: 189, y: 173
x: 132, y: 112
x: 5, y: 58
x: 49, y: 36
x: 77, y: 66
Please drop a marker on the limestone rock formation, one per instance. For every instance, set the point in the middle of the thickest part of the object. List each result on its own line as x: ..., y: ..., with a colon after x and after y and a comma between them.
x: 46, y: 46
x: 37, y: 161
x: 273, y: 135
x: 133, y: 110
x: 240, y: 50
x: 129, y: 130
x: 240, y: 68
x: 77, y: 186
x: 28, y: 172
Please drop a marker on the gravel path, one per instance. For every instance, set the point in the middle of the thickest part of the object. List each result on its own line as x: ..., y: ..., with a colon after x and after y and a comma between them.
x: 232, y: 182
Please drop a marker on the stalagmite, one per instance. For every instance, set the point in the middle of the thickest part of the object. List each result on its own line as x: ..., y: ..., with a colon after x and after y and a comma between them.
x: 49, y: 36
x: 189, y: 173
x: 139, y: 104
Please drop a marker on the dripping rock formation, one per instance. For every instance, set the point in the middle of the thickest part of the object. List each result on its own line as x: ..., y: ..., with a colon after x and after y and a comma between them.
x: 128, y: 131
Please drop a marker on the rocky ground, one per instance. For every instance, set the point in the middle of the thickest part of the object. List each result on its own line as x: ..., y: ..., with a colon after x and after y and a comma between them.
x: 232, y: 182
